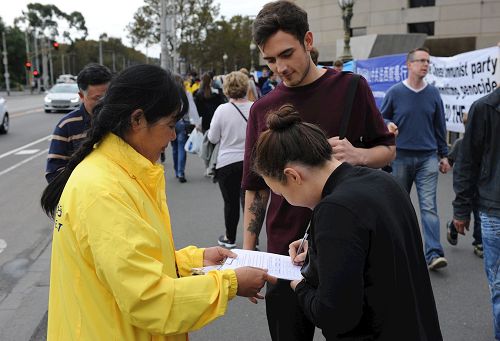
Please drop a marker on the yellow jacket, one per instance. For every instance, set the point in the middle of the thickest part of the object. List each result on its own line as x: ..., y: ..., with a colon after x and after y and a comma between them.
x: 115, y: 274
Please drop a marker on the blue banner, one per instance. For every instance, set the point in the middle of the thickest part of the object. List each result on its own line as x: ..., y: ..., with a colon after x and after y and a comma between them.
x: 382, y: 73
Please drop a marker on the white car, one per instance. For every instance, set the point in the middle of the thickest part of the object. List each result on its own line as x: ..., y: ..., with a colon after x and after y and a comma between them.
x: 4, y: 117
x: 63, y: 96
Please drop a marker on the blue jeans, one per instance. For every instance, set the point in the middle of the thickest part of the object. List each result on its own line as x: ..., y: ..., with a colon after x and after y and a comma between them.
x: 178, y: 152
x: 422, y: 168
x: 490, y: 228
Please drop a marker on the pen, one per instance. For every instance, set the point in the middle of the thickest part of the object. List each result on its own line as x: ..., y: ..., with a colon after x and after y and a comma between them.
x: 301, y: 245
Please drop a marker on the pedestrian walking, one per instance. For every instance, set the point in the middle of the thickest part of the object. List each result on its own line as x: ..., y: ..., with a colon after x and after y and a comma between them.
x: 70, y: 131
x: 415, y: 109
x: 478, y: 182
x: 207, y: 99
x: 228, y: 128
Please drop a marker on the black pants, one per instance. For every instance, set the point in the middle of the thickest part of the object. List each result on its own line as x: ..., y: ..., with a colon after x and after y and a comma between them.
x: 285, y: 318
x: 229, y: 178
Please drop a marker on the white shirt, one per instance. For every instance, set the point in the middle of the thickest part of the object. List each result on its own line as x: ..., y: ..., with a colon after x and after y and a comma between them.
x: 229, y: 128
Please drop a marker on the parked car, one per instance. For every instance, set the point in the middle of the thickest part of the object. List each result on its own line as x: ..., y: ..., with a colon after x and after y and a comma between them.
x: 4, y: 117
x: 62, y: 96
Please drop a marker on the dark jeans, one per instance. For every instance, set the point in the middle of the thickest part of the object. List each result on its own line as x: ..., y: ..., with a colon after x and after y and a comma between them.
x: 229, y: 178
x: 178, y: 152
x: 285, y: 318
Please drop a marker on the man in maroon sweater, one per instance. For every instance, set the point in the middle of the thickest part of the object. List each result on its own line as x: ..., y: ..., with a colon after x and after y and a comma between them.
x: 282, y: 33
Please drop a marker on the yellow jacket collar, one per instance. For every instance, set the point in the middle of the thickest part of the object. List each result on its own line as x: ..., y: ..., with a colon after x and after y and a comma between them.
x: 134, y: 163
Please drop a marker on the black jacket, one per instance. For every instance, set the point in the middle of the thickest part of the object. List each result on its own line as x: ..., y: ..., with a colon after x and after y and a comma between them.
x: 367, y: 278
x: 478, y: 164
x: 206, y: 106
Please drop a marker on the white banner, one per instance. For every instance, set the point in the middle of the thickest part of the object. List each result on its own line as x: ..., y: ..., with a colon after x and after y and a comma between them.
x: 462, y: 79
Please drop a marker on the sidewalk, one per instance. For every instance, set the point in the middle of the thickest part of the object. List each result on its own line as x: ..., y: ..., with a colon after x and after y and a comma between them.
x: 3, y: 93
x: 25, y: 306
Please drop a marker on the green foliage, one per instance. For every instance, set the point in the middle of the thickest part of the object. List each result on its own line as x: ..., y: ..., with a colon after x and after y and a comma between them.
x: 74, y: 50
x: 200, y: 40
x: 16, y: 56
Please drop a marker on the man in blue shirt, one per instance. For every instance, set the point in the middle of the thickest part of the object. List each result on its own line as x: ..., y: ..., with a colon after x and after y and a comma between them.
x: 69, y: 133
x: 414, y: 110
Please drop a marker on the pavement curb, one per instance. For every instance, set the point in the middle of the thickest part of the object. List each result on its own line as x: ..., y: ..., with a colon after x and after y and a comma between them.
x: 26, y: 305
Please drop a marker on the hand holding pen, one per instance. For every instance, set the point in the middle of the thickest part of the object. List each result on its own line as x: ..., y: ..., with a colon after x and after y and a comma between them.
x: 298, y: 249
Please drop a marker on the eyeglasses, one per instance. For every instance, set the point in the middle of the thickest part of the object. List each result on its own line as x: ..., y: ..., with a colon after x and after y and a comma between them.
x: 421, y: 61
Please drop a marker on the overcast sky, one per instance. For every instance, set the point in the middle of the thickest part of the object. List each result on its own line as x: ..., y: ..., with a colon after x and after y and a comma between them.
x: 113, y: 16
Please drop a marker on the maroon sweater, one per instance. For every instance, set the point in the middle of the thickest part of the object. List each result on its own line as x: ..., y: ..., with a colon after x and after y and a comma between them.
x: 321, y: 103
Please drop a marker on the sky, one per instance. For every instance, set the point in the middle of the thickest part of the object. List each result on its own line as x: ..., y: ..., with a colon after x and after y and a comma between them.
x: 112, y: 16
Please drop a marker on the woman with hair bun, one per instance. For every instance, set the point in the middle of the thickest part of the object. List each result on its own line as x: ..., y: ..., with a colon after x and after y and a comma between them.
x: 365, y: 275
x: 115, y: 273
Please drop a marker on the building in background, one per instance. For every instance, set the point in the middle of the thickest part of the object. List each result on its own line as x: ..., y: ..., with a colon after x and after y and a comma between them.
x: 382, y: 27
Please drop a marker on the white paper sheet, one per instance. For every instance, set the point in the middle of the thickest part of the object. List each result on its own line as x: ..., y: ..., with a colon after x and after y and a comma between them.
x: 277, y: 265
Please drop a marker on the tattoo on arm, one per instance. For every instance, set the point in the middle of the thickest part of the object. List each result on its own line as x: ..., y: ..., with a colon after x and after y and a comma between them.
x: 258, y: 209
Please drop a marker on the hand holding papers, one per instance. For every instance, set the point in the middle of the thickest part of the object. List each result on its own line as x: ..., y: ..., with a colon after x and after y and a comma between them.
x: 277, y: 265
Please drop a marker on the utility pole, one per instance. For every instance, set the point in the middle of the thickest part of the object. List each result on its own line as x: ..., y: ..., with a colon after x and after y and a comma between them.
x: 51, y: 66
x: 28, y: 59
x: 171, y: 29
x: 45, y: 64
x: 6, y: 65
x: 37, y: 62
x: 163, y: 35
x: 62, y: 64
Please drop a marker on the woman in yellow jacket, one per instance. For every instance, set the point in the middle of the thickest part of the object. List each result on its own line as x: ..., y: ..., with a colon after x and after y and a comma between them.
x: 115, y: 273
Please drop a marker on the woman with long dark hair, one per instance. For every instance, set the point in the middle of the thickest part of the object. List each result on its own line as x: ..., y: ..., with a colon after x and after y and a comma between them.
x: 115, y: 273
x: 207, y: 99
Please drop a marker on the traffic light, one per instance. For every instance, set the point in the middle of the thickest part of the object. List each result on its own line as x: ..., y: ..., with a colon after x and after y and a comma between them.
x: 27, y: 65
x: 36, y: 74
x: 55, y: 45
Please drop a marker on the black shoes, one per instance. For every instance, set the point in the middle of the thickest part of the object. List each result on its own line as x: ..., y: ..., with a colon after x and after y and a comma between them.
x: 478, y: 250
x: 223, y: 241
x: 452, y: 234
x: 182, y: 179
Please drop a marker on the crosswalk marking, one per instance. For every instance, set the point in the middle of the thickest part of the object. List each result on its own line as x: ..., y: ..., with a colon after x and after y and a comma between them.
x: 27, y: 152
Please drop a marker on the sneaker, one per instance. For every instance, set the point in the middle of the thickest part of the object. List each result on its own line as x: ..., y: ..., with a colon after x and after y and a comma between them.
x: 478, y: 250
x: 452, y: 234
x: 182, y: 179
x: 223, y: 241
x: 437, y: 263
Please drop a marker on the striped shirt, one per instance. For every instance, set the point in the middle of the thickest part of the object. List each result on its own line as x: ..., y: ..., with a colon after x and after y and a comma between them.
x: 67, y: 137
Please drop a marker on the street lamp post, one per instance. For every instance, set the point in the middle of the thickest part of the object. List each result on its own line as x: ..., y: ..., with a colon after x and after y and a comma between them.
x: 224, y: 58
x: 252, y: 49
x: 346, y: 6
x: 102, y: 37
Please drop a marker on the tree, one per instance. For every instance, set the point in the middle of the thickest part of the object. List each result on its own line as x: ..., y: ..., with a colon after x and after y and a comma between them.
x: 46, y: 19
x: 193, y: 20
x: 16, y: 56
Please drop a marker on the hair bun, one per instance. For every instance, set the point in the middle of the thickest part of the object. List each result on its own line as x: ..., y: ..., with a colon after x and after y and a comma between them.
x: 283, y: 118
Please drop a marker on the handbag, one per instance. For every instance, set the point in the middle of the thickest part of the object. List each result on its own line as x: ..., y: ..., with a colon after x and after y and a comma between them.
x: 194, y: 141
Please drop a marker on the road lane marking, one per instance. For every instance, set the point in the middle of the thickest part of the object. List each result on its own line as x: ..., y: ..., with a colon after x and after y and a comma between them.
x: 24, y: 113
x: 3, y: 245
x: 27, y: 152
x: 13, y: 151
x: 5, y: 171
